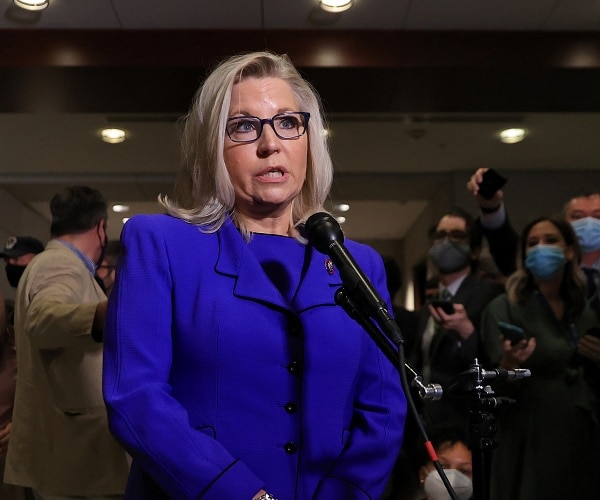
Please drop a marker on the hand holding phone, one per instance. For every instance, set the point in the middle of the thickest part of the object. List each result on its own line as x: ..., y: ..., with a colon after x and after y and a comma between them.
x: 444, y: 305
x: 492, y: 181
x: 512, y: 332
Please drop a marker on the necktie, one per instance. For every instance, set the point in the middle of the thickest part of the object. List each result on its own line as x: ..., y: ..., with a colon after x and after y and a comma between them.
x: 444, y: 294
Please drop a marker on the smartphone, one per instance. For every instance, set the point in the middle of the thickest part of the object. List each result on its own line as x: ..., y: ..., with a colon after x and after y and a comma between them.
x: 512, y: 332
x: 445, y: 305
x: 492, y: 182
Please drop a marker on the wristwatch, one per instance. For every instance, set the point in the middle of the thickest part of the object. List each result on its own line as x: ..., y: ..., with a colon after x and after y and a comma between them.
x: 266, y: 496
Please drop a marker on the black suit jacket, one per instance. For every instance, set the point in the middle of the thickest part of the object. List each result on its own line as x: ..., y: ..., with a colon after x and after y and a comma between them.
x: 449, y: 355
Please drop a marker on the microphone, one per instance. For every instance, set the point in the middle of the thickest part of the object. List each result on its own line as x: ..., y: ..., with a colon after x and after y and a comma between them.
x: 325, y: 234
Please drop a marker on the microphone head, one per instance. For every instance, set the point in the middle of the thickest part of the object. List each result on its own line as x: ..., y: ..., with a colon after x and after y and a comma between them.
x: 321, y: 230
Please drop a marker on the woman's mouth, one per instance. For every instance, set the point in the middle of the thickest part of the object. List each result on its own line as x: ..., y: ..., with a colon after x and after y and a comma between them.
x: 273, y: 173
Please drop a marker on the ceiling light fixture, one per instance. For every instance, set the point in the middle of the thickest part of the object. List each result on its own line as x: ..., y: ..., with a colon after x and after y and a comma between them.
x: 120, y: 208
x: 336, y: 5
x: 31, y: 4
x: 113, y: 135
x: 512, y: 135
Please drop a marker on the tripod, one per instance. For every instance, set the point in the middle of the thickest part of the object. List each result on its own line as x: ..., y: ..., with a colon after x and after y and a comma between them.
x: 482, y: 419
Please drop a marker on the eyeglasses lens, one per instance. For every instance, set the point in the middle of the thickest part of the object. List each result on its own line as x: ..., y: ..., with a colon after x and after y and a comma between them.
x: 249, y: 128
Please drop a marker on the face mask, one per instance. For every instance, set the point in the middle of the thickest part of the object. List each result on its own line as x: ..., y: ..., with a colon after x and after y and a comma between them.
x: 544, y: 261
x: 14, y: 273
x: 450, y: 257
x: 436, y: 490
x: 588, y: 233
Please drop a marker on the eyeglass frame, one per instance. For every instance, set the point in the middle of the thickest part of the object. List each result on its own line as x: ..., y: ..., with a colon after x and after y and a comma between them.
x: 263, y: 121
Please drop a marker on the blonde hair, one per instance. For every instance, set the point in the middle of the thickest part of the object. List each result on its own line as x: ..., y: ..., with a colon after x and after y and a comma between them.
x: 203, y: 193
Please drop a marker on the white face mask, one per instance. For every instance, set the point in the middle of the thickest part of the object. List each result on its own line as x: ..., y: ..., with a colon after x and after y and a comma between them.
x: 436, y: 490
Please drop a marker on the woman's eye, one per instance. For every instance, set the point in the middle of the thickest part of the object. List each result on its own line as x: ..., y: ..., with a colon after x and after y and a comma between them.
x: 245, y: 126
x: 288, y: 123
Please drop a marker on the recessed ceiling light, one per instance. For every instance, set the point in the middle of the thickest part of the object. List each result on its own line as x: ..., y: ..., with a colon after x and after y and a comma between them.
x: 31, y: 4
x: 113, y: 135
x: 120, y: 208
x: 336, y: 5
x: 512, y: 135
x: 342, y: 207
x: 341, y: 219
x: 124, y: 219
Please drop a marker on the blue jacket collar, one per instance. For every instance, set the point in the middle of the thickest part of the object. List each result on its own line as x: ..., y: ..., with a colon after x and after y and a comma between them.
x: 236, y: 260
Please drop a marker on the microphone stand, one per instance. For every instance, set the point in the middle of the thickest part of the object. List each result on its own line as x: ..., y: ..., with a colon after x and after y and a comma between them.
x: 326, y: 235
x: 396, y: 357
x: 481, y: 419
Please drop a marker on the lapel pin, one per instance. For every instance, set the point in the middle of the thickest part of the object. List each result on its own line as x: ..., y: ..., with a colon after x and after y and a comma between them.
x: 329, y: 266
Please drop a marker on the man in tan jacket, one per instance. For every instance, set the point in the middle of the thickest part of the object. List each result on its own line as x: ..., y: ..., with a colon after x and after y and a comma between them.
x: 60, y: 444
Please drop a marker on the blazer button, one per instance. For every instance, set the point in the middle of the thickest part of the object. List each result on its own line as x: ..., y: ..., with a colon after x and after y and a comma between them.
x: 293, y: 367
x: 291, y: 407
x: 290, y: 447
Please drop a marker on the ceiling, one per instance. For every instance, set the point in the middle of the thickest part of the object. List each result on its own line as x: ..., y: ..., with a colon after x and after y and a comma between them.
x: 415, y: 92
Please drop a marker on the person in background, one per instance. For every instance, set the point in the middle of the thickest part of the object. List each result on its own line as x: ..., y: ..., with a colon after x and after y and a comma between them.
x: 105, y: 272
x: 223, y: 335
x: 451, y: 447
x: 495, y: 226
x: 8, y: 377
x: 60, y: 445
x: 17, y: 253
x: 546, y: 299
x: 581, y: 211
x: 448, y: 342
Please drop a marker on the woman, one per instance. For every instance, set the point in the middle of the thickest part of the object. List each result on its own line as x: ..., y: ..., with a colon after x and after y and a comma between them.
x: 549, y: 439
x: 229, y: 370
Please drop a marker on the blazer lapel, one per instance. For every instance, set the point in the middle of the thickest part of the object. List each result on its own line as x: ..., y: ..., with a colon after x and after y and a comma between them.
x: 318, y: 285
x: 237, y: 261
x: 320, y: 281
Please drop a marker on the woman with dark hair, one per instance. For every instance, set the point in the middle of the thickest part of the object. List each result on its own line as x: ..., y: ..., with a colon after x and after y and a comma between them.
x: 548, y: 440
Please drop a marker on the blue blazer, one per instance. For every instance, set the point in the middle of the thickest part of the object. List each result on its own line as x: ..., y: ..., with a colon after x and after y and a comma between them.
x: 218, y: 387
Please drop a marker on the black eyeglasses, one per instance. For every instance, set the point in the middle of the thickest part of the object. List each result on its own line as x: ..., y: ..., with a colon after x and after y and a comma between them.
x: 286, y: 126
x: 454, y: 235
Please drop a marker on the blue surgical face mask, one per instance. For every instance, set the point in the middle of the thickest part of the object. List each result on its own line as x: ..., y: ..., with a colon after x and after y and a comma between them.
x: 544, y: 261
x: 588, y: 233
